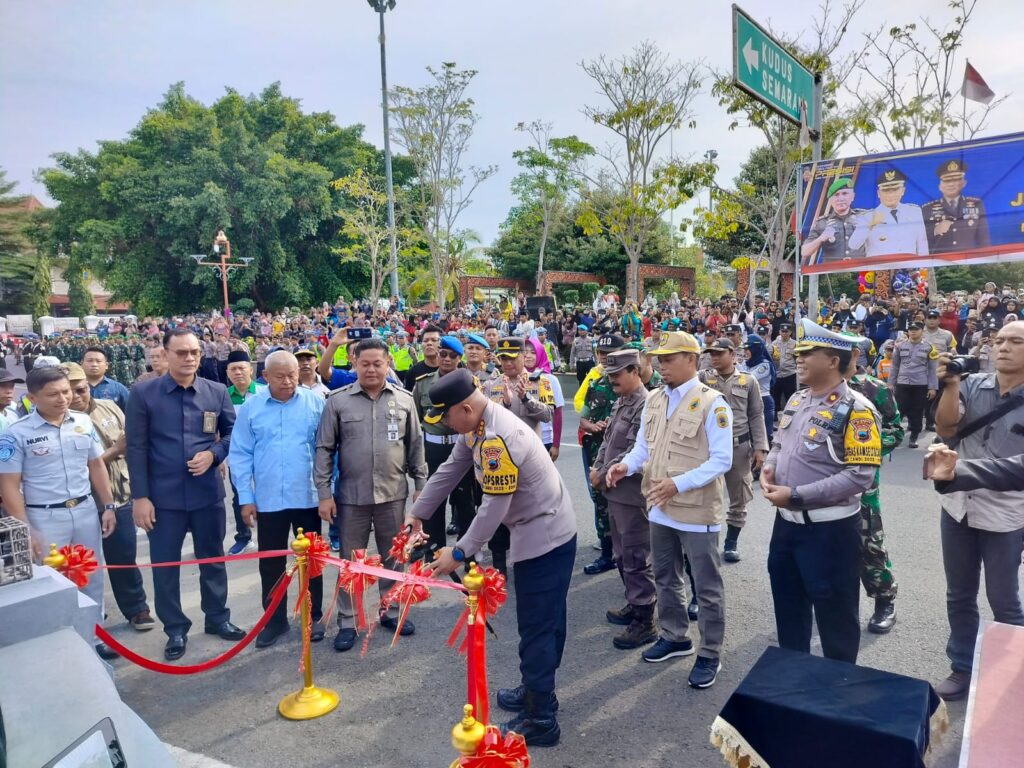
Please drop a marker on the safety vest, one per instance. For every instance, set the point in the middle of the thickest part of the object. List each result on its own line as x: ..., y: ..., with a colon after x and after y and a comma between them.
x: 883, y: 368
x: 402, y: 357
x: 341, y: 356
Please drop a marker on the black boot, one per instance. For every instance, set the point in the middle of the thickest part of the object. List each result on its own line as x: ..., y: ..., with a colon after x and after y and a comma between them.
x: 883, y: 618
x: 731, y: 552
x: 514, y: 699
x: 500, y: 561
x: 537, y: 723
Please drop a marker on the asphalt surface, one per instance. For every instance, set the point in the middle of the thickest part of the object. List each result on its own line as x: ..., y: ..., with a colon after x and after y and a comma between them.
x: 398, y: 705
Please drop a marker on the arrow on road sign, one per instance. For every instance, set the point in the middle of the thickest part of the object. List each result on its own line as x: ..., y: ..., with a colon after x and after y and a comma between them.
x: 750, y: 56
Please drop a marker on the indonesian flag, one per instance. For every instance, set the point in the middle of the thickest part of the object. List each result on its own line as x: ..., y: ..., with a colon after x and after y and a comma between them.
x: 975, y: 88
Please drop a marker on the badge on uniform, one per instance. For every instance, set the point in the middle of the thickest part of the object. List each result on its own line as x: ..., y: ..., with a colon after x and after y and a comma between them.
x: 785, y: 420
x: 393, y: 431
x: 722, y: 416
x: 209, y: 422
x: 694, y: 404
x: 7, y: 448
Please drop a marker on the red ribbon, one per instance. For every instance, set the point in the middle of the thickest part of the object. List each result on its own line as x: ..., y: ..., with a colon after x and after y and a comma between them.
x: 79, y: 564
x: 490, y: 598
x: 398, y: 547
x: 280, y: 590
x: 405, y: 594
x: 497, y: 752
x: 316, y: 555
x: 356, y: 583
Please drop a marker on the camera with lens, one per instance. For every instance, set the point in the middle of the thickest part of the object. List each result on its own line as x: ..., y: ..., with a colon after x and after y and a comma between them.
x: 962, y: 365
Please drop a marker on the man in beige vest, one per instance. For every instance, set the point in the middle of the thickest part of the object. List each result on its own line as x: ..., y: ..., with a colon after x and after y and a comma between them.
x: 683, y: 448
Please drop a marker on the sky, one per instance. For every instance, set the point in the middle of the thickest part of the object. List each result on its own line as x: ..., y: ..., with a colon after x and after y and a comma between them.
x: 73, y: 73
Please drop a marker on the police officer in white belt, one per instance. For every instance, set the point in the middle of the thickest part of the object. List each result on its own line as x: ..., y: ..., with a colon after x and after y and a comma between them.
x: 749, y: 437
x: 523, y: 490
x: 684, y: 447
x: 50, y: 465
x: 826, y: 450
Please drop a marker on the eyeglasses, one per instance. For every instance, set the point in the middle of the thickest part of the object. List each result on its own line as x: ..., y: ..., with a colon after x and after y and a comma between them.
x: 188, y: 352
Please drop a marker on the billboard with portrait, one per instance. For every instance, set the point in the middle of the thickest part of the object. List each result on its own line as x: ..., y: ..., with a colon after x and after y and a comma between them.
x: 953, y: 204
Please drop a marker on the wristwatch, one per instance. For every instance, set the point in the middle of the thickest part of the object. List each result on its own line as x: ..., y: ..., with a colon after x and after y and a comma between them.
x: 524, y: 398
x: 109, y: 506
x: 458, y: 555
x: 795, y: 499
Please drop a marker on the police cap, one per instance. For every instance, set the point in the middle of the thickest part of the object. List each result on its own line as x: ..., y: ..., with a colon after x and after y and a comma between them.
x: 720, y: 345
x: 452, y: 344
x: 734, y: 328
x: 450, y: 390
x: 621, y: 360
x: 510, y: 346
x: 477, y: 339
x: 610, y: 342
x: 951, y: 169
x: 891, y: 178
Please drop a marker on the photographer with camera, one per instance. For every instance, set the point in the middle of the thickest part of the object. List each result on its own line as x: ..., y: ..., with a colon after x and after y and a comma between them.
x: 980, y: 415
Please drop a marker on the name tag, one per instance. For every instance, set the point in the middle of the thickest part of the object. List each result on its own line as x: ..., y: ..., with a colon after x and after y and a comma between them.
x: 209, y: 422
x: 393, y: 436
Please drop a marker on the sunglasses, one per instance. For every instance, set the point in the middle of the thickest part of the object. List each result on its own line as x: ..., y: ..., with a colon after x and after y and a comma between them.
x: 447, y: 353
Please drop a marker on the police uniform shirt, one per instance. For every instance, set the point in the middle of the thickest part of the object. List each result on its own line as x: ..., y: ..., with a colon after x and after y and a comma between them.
x: 540, y: 400
x: 53, y: 461
x: 844, y: 227
x: 827, y: 448
x: 941, y: 339
x: 743, y: 394
x: 902, y: 233
x: 783, y: 354
x: 968, y: 224
x: 623, y: 425
x: 914, y: 364
x: 521, y: 488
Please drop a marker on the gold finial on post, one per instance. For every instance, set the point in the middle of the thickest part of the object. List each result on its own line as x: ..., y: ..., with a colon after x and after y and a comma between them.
x: 311, y: 701
x: 467, y: 735
x: 55, y: 559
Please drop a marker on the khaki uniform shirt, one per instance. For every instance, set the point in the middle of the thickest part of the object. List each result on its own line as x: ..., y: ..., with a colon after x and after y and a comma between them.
x: 784, y: 356
x: 379, y: 445
x: 521, y: 488
x: 108, y: 421
x: 619, y: 437
x: 743, y: 394
x: 538, y: 406
x: 915, y: 364
x: 941, y: 339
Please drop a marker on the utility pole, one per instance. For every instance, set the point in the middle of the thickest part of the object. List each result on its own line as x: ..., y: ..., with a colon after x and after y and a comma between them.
x: 224, y: 267
x: 812, y: 280
x: 380, y: 6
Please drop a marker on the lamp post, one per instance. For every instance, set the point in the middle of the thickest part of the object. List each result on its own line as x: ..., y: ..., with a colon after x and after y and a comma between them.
x: 224, y: 267
x: 380, y: 6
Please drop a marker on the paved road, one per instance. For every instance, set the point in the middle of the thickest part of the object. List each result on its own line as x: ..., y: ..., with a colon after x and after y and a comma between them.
x: 398, y: 706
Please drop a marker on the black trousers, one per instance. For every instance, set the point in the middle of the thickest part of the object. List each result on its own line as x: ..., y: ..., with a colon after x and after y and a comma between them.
x: 207, y: 526
x: 815, y: 575
x: 784, y: 388
x: 272, y: 530
x: 582, y: 369
x: 542, y: 585
x: 912, y: 400
x: 461, y: 497
x: 119, y: 548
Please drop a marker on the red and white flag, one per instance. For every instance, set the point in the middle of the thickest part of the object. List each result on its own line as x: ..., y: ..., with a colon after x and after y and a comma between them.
x: 975, y: 88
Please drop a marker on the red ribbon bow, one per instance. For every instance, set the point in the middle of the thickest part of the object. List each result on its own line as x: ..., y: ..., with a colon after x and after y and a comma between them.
x: 79, y: 563
x: 491, y: 597
x: 496, y: 752
x: 318, y: 550
x: 356, y: 583
x: 398, y: 545
x: 405, y: 594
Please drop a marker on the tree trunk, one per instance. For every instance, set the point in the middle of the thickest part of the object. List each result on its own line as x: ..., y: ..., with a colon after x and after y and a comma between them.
x: 540, y: 256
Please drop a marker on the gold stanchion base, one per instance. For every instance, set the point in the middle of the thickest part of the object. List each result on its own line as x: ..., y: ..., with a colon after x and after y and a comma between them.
x: 308, y: 703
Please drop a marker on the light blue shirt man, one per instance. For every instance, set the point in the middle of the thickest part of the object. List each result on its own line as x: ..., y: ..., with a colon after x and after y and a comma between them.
x: 272, y: 449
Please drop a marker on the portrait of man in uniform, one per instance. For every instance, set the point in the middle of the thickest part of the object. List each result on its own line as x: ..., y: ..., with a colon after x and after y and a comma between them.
x: 894, y: 227
x: 829, y: 237
x: 955, y: 222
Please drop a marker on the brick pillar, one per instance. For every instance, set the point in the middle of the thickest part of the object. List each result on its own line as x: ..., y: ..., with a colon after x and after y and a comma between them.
x: 787, y: 286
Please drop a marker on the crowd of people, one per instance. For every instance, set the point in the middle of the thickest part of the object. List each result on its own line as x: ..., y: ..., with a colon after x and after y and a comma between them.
x: 335, y: 416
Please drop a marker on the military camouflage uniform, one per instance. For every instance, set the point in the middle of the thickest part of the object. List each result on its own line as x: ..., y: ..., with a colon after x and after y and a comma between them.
x: 597, y: 406
x: 876, y: 567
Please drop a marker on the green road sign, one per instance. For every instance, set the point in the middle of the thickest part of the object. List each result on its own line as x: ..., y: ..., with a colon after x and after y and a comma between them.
x: 768, y: 72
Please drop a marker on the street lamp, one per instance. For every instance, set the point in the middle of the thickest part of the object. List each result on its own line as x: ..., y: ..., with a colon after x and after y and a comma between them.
x: 224, y: 267
x: 380, y: 6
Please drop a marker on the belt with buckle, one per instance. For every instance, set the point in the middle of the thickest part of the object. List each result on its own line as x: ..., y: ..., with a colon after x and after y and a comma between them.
x: 69, y: 504
x: 820, y: 515
x: 440, y: 439
x: 744, y: 438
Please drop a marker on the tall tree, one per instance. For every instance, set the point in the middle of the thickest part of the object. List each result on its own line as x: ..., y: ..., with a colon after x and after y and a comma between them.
x: 647, y: 97
x: 255, y: 166
x: 19, y: 289
x: 434, y: 124
x: 549, y: 179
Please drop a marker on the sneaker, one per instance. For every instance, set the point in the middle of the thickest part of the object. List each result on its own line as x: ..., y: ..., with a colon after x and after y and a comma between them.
x: 954, y: 687
x: 335, y: 544
x: 693, y: 609
x: 248, y: 545
x: 345, y: 639
x: 622, y: 617
x: 317, y: 631
x: 142, y: 621
x: 600, y: 565
x: 731, y: 553
x: 663, y: 650
x: 883, y: 618
x: 704, y: 673
x: 105, y: 652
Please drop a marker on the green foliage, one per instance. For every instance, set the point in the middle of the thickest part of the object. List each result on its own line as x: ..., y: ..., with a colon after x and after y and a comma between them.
x: 244, y: 305
x: 80, y: 301
x: 972, y: 278
x: 19, y: 289
x: 254, y: 166
x: 42, y: 287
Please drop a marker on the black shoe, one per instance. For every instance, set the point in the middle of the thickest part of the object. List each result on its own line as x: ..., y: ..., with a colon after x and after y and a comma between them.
x: 882, y: 620
x: 175, y: 647
x: 704, y: 673
x: 225, y: 631
x: 451, y: 530
x: 913, y: 441
x: 693, y: 609
x: 345, y: 639
x: 665, y: 649
x: 105, y: 652
x: 388, y: 622
x: 602, y: 564
x: 514, y: 699
x: 317, y: 631
x: 731, y: 553
x: 500, y: 562
x: 622, y: 617
x: 536, y: 723
x: 271, y: 634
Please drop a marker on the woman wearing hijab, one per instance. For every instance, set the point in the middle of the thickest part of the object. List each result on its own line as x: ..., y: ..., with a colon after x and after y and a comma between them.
x: 535, y: 357
x: 759, y: 365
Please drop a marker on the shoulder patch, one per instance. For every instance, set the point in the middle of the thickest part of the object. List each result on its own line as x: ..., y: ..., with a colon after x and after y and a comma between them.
x: 863, y: 442
x: 424, y: 375
x: 8, y: 445
x: 933, y: 354
x: 500, y: 474
x: 722, y: 416
x: 694, y: 404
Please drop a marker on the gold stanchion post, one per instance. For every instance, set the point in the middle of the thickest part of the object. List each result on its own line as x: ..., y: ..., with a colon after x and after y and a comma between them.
x: 311, y: 701
x: 55, y: 559
x: 469, y: 732
x: 467, y: 735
